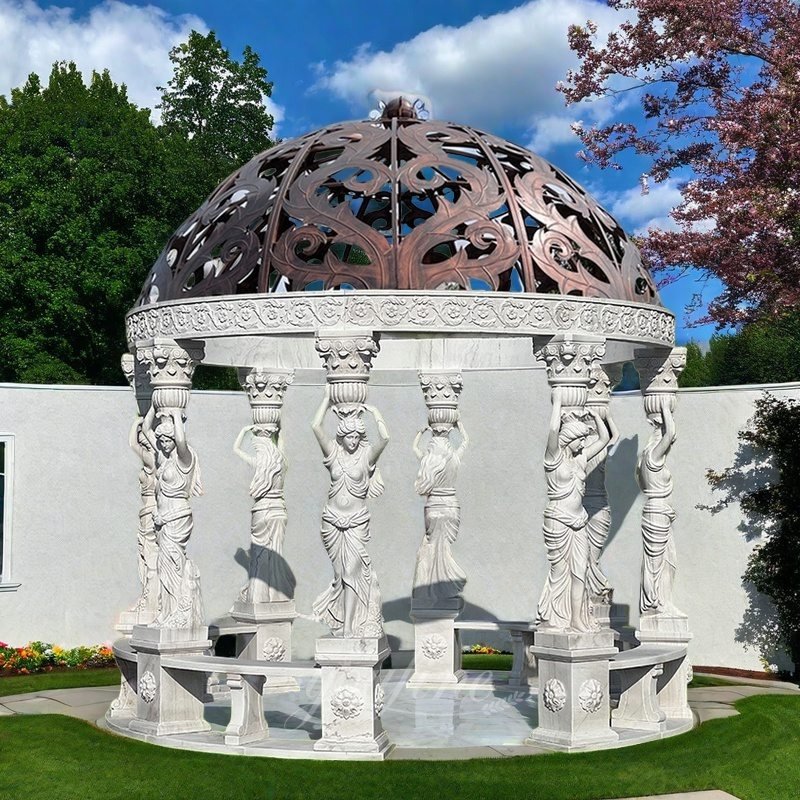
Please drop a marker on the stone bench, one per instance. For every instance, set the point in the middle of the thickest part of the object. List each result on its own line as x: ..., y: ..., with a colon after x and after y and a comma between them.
x: 642, y: 675
x: 246, y: 680
x: 523, y: 664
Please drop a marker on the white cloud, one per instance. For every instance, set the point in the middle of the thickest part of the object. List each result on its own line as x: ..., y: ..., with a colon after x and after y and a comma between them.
x: 132, y: 42
x: 500, y: 69
x: 639, y: 212
x: 278, y: 113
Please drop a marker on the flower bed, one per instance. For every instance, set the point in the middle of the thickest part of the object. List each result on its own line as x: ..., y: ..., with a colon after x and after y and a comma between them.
x: 44, y: 657
x: 484, y: 650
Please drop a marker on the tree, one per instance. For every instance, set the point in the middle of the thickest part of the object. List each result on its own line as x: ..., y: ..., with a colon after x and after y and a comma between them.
x: 90, y: 190
x: 719, y: 86
x: 767, y: 351
x: 82, y: 217
x: 696, y: 371
x: 764, y: 481
x: 216, y: 105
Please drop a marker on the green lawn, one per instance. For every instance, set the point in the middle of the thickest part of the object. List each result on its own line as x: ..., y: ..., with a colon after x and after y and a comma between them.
x: 755, y: 756
x: 43, y: 681
x: 480, y: 661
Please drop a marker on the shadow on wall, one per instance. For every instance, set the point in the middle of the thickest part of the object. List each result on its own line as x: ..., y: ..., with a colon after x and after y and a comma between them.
x: 621, y: 482
x: 751, y: 470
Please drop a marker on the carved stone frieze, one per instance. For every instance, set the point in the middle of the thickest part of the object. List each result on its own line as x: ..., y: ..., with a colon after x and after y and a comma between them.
x: 433, y: 312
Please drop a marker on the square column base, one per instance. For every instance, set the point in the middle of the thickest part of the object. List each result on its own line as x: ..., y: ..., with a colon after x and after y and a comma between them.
x: 128, y: 620
x: 169, y: 701
x: 352, y: 695
x: 672, y: 685
x: 437, y: 648
x: 272, y: 639
x: 574, y: 710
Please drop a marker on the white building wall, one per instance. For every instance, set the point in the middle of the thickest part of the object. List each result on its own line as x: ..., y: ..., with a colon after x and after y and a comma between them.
x: 71, y: 545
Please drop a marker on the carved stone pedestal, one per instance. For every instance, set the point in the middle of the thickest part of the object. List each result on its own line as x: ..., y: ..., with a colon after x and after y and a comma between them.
x: 169, y: 700
x: 669, y: 629
x: 437, y: 646
x: 574, y: 712
x: 524, y: 670
x: 271, y: 640
x: 352, y: 696
x: 601, y: 613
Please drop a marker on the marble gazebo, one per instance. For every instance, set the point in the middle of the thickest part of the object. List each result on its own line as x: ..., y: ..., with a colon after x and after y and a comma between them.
x: 430, y: 242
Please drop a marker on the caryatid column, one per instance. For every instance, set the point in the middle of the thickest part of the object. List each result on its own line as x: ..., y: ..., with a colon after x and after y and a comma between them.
x: 352, y: 694
x: 171, y: 702
x: 266, y: 601
x: 660, y: 621
x: 438, y: 580
x: 603, y: 377
x: 145, y: 609
x: 572, y: 650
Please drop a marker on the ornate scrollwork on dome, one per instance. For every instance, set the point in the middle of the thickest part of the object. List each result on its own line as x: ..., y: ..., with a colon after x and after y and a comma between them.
x: 399, y: 203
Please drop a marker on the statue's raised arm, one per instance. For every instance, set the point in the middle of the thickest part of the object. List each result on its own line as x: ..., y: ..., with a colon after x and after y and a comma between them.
x: 383, y: 435
x: 326, y: 444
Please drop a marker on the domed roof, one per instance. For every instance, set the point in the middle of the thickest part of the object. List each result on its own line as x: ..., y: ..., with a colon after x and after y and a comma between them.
x: 399, y: 203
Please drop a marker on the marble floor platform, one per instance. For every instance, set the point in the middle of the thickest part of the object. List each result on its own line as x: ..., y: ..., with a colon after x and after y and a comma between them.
x: 482, y: 717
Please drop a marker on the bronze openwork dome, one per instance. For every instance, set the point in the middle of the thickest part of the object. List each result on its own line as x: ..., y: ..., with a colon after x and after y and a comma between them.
x: 399, y: 203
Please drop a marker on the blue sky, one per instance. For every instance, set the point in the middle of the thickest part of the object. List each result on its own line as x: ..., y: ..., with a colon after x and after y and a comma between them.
x: 493, y: 65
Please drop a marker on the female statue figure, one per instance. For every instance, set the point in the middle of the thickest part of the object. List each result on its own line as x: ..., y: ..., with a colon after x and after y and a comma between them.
x: 351, y: 606
x: 146, y: 544
x: 437, y: 576
x: 177, y: 479
x: 595, y: 501
x: 564, y: 601
x: 270, y: 579
x: 655, y: 481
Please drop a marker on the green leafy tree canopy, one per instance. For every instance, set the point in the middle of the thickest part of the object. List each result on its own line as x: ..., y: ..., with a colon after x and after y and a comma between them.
x: 217, y: 102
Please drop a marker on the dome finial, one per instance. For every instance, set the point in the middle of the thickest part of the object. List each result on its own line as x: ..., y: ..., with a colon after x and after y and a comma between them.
x: 400, y: 107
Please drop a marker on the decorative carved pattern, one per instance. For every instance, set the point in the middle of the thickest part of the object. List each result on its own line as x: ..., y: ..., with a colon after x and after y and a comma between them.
x: 347, y: 703
x: 554, y: 695
x: 440, y: 312
x: 128, y: 364
x: 590, y: 696
x: 441, y: 392
x: 659, y: 370
x: 274, y: 649
x: 571, y: 361
x: 399, y: 203
x: 433, y: 646
x: 265, y: 391
x: 147, y: 687
x: 380, y: 699
x: 171, y: 368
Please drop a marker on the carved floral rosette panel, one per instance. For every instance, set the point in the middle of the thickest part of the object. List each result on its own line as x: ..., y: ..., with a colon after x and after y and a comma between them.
x: 404, y: 312
x: 399, y: 204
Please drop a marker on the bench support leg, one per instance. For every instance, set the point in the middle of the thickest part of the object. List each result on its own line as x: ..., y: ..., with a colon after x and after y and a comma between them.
x: 638, y: 701
x: 247, y: 712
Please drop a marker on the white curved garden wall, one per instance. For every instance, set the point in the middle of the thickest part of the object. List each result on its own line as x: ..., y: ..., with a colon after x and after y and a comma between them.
x: 71, y: 538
